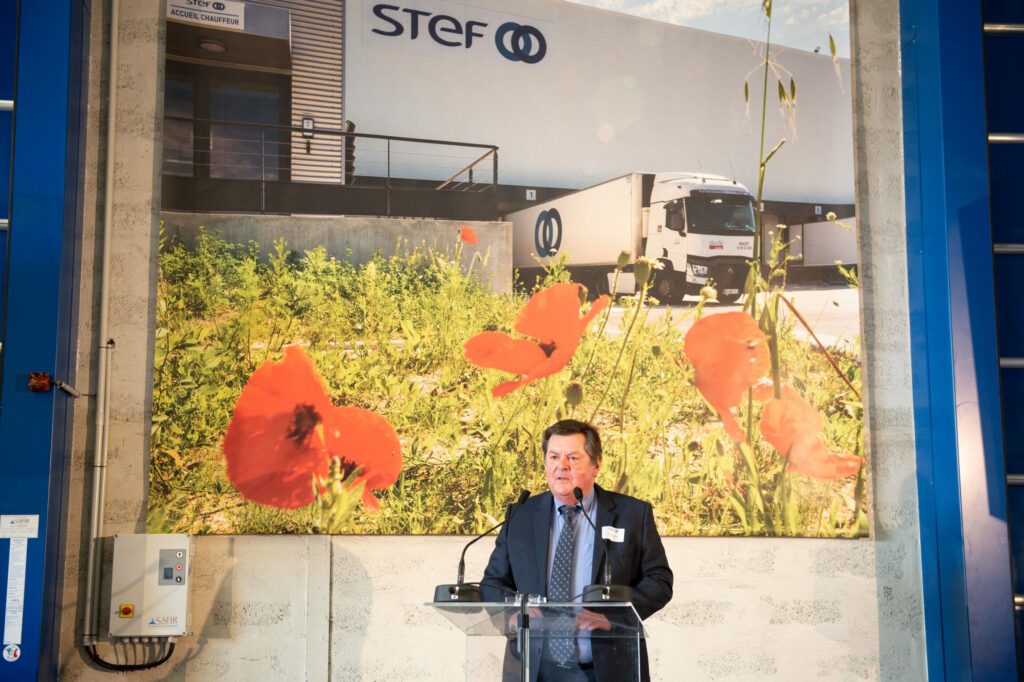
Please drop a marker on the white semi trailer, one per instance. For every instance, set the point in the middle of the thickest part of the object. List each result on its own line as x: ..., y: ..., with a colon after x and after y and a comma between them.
x: 823, y: 244
x: 700, y: 226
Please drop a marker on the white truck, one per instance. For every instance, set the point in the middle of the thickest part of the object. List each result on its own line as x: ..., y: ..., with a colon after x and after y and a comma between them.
x: 700, y: 226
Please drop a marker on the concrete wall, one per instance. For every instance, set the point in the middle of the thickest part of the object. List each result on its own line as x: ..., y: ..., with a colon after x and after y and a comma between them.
x: 134, y: 232
x: 350, y: 608
x: 355, y: 238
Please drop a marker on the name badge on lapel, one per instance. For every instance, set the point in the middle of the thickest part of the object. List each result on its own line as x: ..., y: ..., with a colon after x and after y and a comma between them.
x: 613, y: 534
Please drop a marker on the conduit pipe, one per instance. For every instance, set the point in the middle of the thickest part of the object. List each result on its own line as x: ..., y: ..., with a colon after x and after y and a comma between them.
x: 106, y: 347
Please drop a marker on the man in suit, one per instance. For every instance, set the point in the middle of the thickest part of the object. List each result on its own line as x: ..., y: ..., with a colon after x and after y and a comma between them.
x: 548, y: 549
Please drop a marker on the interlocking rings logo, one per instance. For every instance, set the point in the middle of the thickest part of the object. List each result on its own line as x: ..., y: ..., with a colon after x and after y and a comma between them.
x: 445, y: 24
x: 526, y: 44
x: 547, y: 234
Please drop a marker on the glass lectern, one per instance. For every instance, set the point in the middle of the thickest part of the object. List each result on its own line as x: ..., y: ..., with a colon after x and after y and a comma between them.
x: 502, y: 644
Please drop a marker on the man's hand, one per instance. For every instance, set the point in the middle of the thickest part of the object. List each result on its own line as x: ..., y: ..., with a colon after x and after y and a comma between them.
x: 589, y: 620
x: 513, y: 620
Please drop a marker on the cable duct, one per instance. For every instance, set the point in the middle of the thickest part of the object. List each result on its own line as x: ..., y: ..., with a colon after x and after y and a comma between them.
x: 106, y: 347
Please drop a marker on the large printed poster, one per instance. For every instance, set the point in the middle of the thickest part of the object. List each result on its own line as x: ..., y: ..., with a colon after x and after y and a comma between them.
x: 675, y: 215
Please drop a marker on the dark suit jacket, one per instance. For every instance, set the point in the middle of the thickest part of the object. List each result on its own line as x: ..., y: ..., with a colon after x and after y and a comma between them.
x: 520, y: 560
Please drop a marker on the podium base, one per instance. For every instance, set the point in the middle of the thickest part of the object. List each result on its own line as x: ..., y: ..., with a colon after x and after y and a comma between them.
x: 458, y: 593
x: 602, y: 593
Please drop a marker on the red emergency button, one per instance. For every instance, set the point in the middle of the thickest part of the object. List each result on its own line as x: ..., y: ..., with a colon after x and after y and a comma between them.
x: 127, y: 610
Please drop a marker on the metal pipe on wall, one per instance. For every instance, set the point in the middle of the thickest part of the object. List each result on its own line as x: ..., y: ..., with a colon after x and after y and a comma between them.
x: 102, y: 416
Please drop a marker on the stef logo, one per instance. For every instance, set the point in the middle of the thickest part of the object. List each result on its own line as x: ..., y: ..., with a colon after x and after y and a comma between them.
x: 547, y: 234
x: 514, y: 41
x: 521, y: 46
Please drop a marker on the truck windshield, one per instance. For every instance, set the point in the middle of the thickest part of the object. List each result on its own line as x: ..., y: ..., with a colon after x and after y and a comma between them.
x: 719, y: 213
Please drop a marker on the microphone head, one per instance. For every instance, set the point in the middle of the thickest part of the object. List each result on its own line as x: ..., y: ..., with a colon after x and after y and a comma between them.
x: 577, y: 493
x: 523, y: 496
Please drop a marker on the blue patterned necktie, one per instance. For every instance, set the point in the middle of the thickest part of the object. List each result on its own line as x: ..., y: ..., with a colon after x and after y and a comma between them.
x: 563, y: 648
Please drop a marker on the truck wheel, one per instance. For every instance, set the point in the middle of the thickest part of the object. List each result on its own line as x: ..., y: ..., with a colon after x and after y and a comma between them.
x: 595, y: 287
x: 667, y: 288
x: 598, y: 286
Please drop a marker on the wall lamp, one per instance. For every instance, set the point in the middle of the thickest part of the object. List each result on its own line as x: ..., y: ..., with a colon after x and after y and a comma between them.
x: 214, y: 46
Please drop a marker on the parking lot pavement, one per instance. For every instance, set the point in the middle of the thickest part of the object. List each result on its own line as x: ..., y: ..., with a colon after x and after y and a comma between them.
x: 832, y: 311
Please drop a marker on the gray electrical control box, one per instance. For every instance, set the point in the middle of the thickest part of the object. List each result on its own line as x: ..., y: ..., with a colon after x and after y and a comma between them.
x: 149, y: 585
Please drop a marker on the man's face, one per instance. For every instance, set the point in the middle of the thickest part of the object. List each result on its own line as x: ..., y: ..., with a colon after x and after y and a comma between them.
x: 567, y: 466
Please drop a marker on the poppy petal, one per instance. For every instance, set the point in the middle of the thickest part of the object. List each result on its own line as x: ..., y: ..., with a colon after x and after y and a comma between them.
x: 272, y: 446
x: 729, y: 354
x: 270, y: 469
x: 809, y: 456
x: 361, y: 438
x: 793, y: 427
x: 467, y: 234
x: 506, y: 387
x: 371, y: 503
x: 549, y: 312
x: 732, y: 427
x: 280, y: 384
x: 285, y: 430
x: 552, y: 317
x: 496, y: 350
x: 783, y: 419
x: 553, y: 314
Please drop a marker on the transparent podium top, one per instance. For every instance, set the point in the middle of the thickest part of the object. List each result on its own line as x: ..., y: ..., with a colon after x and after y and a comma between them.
x: 493, y: 619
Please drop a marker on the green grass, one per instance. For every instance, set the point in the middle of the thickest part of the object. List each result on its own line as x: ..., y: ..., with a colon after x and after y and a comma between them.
x: 387, y: 336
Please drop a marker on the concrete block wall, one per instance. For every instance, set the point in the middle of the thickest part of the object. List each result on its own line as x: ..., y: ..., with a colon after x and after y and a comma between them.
x: 351, y: 608
x: 356, y: 238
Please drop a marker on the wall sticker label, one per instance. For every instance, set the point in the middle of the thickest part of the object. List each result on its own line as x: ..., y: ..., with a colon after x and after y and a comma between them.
x: 217, y: 13
x: 14, y: 604
x: 19, y: 526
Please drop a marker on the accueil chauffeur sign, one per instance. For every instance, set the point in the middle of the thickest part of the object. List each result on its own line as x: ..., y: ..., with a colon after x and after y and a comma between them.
x: 453, y: 31
x: 213, y: 13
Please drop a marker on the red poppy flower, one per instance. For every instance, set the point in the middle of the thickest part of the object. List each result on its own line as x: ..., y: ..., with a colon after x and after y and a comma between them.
x: 467, y: 234
x: 361, y: 438
x: 285, y: 431
x: 729, y: 354
x: 811, y: 457
x: 793, y: 427
x: 552, y: 317
x: 783, y: 419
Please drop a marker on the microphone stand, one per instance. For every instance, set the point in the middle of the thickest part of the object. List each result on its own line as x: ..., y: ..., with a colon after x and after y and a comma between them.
x: 604, y: 591
x: 462, y: 591
x: 523, y: 639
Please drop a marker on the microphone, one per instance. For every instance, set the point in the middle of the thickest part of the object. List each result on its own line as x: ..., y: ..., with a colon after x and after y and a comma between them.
x: 470, y: 592
x: 605, y: 591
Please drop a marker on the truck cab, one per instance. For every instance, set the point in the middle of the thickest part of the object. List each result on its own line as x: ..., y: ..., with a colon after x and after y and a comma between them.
x: 701, y: 227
